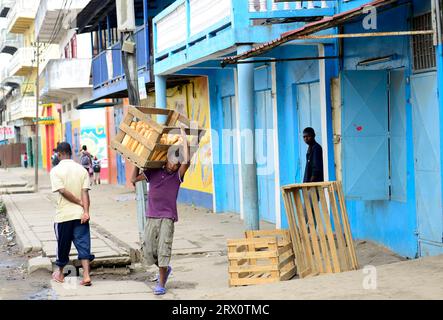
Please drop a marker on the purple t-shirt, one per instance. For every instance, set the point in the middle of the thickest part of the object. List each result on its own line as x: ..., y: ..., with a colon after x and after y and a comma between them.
x: 163, y: 192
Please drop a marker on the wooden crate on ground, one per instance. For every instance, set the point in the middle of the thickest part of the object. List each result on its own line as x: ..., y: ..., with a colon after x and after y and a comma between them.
x: 260, y: 258
x: 144, y: 142
x: 319, y: 228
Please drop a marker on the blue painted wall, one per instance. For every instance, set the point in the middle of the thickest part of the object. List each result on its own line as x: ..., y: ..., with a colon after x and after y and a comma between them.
x: 391, y: 223
x: 221, y: 84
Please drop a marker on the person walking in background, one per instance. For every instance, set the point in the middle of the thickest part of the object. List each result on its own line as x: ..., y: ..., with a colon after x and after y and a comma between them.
x: 71, y: 222
x: 96, y: 167
x: 86, y: 162
x: 54, y: 158
x: 25, y: 160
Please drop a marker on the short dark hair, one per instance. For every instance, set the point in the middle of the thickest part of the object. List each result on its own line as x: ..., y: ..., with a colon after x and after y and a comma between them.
x: 84, y: 147
x: 64, y: 148
x: 309, y: 131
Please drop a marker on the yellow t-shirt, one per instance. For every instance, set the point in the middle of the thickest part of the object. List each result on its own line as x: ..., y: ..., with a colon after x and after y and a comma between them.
x: 74, y: 178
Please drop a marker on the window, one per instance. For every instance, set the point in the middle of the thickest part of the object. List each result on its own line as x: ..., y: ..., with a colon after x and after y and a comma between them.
x: 423, y: 48
x: 69, y: 106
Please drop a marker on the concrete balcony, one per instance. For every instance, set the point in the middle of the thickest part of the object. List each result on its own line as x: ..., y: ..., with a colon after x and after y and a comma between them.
x: 22, y: 15
x: 9, y: 81
x: 48, y: 18
x: 107, y: 67
x: 10, y: 42
x: 63, y: 78
x: 189, y: 32
x: 22, y: 108
x: 5, y: 6
x: 21, y: 63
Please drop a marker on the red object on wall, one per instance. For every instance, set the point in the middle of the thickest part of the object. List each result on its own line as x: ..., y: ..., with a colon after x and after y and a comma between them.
x: 74, y: 46
x: 110, y: 133
x: 49, y: 129
x: 67, y: 52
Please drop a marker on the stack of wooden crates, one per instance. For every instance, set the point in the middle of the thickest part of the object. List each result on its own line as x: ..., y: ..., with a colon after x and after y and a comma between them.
x: 264, y: 256
x: 319, y: 239
x: 145, y: 142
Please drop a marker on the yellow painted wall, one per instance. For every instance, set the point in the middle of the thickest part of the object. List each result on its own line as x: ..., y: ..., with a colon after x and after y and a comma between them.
x: 193, y: 100
x: 44, y: 139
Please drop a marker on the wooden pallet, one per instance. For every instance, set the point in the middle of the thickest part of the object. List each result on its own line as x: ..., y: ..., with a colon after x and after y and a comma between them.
x: 147, y: 152
x: 319, y: 228
x: 260, y: 258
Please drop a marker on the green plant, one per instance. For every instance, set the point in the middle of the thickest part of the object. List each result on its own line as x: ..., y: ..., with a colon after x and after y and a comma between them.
x: 2, y: 208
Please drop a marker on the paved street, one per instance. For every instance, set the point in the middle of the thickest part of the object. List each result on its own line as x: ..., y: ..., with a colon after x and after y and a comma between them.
x: 199, y: 255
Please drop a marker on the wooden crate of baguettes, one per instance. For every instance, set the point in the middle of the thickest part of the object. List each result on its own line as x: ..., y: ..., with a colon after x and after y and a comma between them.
x: 318, y: 241
x: 145, y: 142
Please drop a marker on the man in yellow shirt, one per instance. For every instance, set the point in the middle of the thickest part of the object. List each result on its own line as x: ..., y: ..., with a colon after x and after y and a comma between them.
x: 71, y: 181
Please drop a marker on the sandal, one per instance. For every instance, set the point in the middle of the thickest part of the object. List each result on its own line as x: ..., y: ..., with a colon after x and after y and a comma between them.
x: 56, y: 277
x: 85, y: 283
x: 159, y: 290
x: 157, y: 277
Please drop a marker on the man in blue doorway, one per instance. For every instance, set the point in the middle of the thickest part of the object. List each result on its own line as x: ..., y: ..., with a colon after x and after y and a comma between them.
x: 314, y: 158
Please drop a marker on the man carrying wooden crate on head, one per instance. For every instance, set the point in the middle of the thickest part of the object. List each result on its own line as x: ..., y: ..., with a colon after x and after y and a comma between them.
x: 161, y: 209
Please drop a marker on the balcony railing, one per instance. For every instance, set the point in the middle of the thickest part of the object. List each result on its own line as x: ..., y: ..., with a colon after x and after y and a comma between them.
x: 186, y: 22
x: 22, y: 15
x: 10, y: 42
x: 272, y: 5
x: 22, y: 62
x: 23, y: 108
x: 48, y: 18
x: 62, y: 76
x: 107, y: 66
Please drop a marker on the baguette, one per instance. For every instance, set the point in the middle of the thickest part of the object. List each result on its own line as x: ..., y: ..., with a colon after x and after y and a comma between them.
x: 138, y: 129
x: 140, y: 145
x: 126, y: 140
x: 131, y: 140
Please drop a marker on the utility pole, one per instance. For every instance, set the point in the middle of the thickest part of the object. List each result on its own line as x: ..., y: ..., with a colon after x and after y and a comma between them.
x: 126, y: 25
x: 37, y: 96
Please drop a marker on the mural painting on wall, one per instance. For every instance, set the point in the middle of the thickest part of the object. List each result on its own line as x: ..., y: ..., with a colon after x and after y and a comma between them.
x: 192, y: 100
x: 93, y: 134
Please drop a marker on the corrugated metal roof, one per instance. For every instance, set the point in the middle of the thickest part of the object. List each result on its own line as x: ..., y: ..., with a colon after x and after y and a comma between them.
x: 93, y: 14
x: 308, y: 29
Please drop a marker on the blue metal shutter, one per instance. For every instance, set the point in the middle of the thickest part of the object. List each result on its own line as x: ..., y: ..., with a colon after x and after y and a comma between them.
x: 427, y: 153
x: 398, y: 148
x: 229, y: 160
x: 365, y: 135
x: 264, y: 154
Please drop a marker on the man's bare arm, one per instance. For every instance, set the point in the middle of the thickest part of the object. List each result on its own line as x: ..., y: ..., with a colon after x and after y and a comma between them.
x: 86, y: 204
x: 70, y: 197
x: 136, y: 176
x: 185, y: 163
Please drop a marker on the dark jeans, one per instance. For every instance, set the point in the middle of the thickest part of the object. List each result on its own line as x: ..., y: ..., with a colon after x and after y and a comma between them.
x: 69, y: 232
